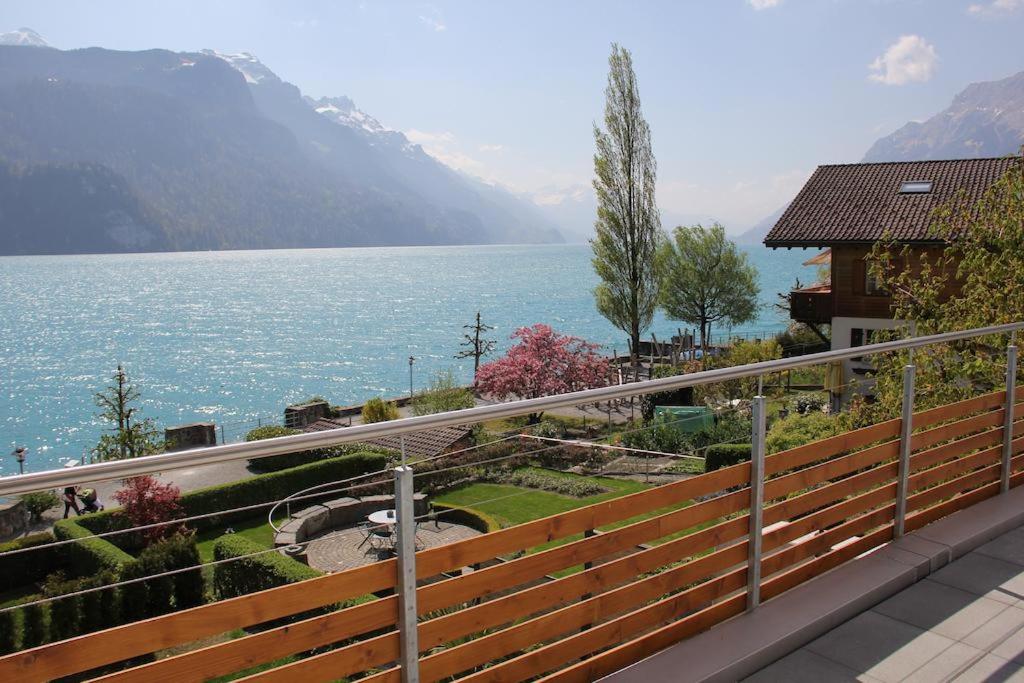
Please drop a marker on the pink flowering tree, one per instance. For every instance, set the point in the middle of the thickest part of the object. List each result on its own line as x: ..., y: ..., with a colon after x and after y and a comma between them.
x: 543, y: 363
x: 146, y: 501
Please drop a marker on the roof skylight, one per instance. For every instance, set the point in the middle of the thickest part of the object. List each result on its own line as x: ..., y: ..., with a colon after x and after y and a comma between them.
x: 916, y: 187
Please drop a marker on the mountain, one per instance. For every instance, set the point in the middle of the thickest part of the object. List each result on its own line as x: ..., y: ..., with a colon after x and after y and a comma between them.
x: 757, y: 232
x: 984, y: 120
x: 23, y: 36
x: 187, y: 151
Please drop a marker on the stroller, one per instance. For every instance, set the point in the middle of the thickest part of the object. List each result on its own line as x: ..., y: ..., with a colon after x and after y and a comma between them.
x: 90, y: 501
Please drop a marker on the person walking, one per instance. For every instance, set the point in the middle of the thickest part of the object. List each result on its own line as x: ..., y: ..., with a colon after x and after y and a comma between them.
x: 70, y: 501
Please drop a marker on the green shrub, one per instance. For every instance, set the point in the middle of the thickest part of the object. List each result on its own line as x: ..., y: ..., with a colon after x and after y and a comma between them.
x: 162, y: 594
x: 275, y: 463
x: 91, y: 555
x: 531, y: 479
x: 444, y: 394
x: 35, y: 629
x: 30, y: 567
x: 65, y: 612
x: 673, y: 397
x: 275, y: 486
x: 379, y: 410
x: 8, y: 632
x: 797, y: 430
x: 100, y: 608
x: 251, y: 574
x: 39, y: 502
x: 725, y: 455
x: 456, y: 514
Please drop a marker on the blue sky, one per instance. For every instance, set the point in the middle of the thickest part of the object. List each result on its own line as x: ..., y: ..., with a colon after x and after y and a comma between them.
x: 744, y: 97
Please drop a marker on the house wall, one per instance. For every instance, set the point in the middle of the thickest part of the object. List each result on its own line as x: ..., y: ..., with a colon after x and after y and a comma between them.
x: 849, y: 298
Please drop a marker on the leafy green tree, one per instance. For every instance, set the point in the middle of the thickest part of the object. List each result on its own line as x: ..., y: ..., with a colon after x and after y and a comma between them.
x: 443, y: 394
x: 39, y: 502
x: 129, y: 437
x: 974, y: 281
x: 379, y: 410
x: 628, y: 224
x: 705, y: 279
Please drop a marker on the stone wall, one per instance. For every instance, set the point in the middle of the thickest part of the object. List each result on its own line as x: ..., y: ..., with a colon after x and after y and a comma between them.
x: 335, y: 514
x: 307, y: 413
x: 195, y: 435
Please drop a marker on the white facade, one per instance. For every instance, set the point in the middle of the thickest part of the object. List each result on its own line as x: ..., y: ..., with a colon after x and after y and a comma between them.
x: 842, y: 338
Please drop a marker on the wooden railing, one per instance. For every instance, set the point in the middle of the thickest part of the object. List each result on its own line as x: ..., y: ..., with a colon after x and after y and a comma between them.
x: 670, y: 562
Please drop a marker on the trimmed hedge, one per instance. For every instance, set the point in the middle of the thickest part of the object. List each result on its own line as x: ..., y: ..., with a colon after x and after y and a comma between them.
x: 726, y: 455
x: 91, y: 555
x: 275, y: 486
x: 252, y: 574
x: 456, y: 514
x: 31, y: 567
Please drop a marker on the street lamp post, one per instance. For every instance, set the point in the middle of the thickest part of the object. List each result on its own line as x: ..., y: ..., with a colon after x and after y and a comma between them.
x: 412, y: 360
x: 19, y: 455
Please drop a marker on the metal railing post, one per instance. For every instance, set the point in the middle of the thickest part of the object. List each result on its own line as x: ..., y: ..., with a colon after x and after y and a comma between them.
x: 406, y: 549
x: 757, y: 437
x: 1011, y: 391
x: 906, y: 432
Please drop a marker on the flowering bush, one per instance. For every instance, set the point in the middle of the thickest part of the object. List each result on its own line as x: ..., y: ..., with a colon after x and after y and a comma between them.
x: 146, y: 501
x: 543, y: 363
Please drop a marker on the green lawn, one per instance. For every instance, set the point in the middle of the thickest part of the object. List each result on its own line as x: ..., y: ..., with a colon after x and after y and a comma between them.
x: 515, y: 505
x: 255, y: 528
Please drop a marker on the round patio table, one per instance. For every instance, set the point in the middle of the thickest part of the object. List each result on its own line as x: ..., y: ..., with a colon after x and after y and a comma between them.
x: 383, y: 517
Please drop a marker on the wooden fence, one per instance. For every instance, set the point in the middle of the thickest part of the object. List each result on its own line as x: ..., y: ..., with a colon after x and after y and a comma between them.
x: 668, y: 562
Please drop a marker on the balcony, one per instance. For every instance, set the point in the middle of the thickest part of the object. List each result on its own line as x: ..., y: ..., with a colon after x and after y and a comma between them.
x: 811, y: 304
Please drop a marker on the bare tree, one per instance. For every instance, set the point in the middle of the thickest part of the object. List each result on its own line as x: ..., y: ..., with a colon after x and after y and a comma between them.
x: 478, y: 347
x: 628, y: 225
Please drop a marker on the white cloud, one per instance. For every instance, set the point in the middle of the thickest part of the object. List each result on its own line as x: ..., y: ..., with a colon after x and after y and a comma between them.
x: 764, y: 4
x: 433, y: 23
x: 306, y: 23
x: 911, y: 58
x: 492, y: 148
x: 995, y: 7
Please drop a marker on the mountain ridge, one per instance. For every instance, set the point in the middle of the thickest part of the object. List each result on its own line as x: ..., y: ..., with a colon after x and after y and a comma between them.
x: 221, y: 157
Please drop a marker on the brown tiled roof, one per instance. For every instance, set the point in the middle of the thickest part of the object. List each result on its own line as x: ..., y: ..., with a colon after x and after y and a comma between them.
x: 858, y: 203
x: 417, y: 445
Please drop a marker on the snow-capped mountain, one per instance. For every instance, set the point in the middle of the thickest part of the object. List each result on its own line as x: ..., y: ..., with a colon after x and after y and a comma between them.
x: 207, y: 150
x: 23, y: 36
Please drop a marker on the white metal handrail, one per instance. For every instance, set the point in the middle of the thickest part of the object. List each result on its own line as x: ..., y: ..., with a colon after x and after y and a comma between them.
x: 118, y: 469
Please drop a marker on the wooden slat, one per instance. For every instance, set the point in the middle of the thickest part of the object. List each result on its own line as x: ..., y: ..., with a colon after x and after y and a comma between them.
x: 954, y: 468
x: 551, y: 656
x: 244, y: 653
x: 794, y: 577
x: 92, y: 650
x: 621, y: 656
x: 826, y: 517
x: 826, y: 448
x: 434, y: 561
x: 805, y: 478
x: 340, y: 662
x: 501, y: 577
x: 951, y: 488
x: 953, y: 430
x: 925, y: 418
x: 825, y: 540
x: 921, y: 518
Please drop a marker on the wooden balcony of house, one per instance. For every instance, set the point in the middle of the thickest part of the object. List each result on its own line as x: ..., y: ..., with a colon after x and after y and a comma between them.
x: 811, y: 304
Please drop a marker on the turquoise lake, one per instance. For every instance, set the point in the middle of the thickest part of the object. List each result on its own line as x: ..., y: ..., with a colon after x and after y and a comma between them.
x: 233, y: 337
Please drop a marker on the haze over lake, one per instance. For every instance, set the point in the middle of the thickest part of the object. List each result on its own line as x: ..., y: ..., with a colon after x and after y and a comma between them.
x: 231, y: 337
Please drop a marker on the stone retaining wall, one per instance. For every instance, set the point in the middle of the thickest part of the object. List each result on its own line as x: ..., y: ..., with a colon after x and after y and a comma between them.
x: 335, y: 514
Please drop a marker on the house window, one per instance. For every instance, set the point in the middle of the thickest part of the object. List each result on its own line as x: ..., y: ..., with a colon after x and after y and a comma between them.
x: 916, y: 187
x: 866, y: 283
x: 872, y: 284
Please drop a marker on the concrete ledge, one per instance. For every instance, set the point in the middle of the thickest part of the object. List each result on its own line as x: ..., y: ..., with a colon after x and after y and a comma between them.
x: 749, y: 642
